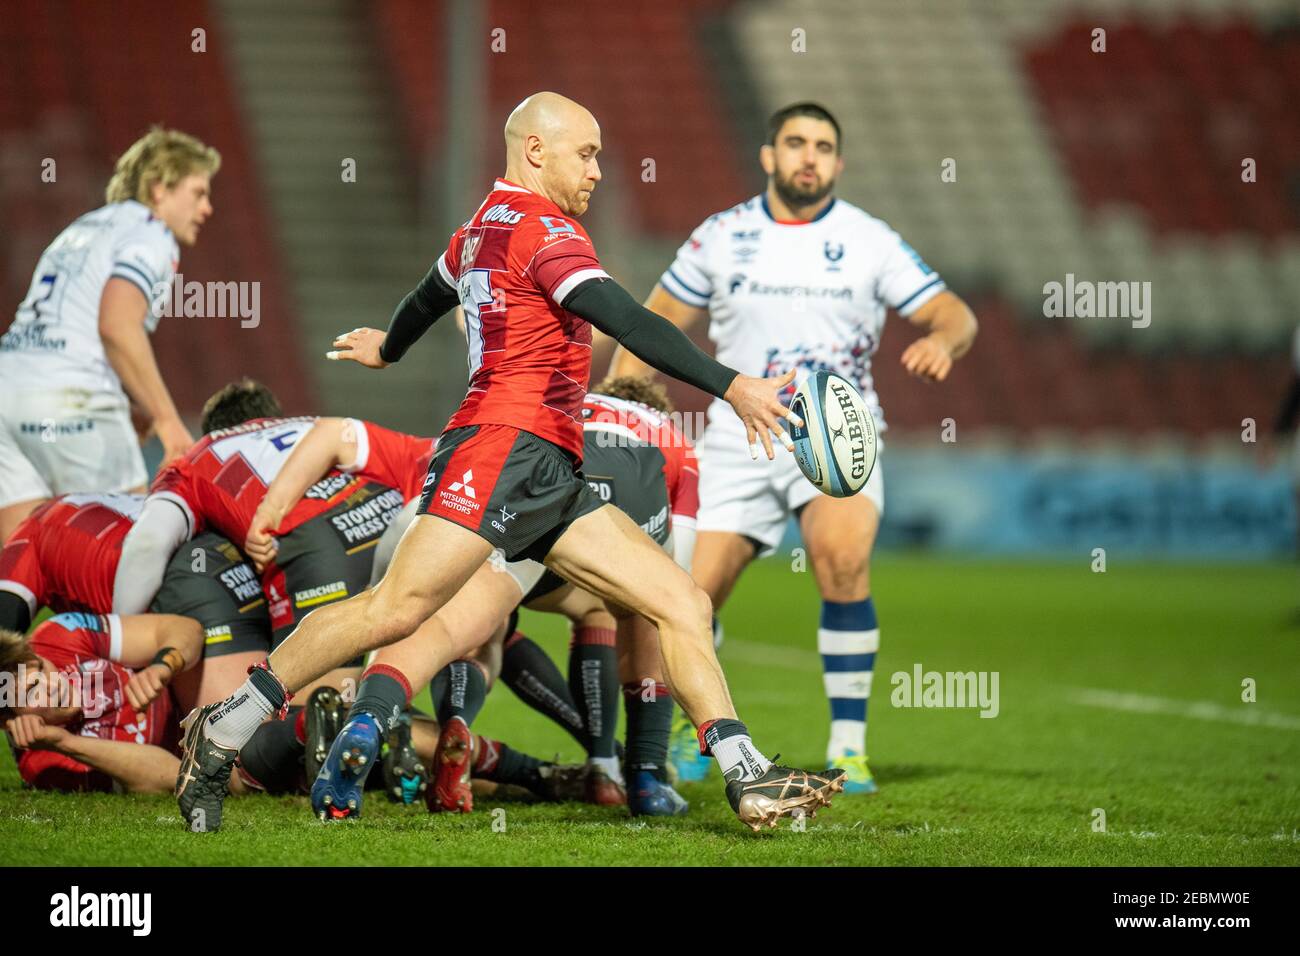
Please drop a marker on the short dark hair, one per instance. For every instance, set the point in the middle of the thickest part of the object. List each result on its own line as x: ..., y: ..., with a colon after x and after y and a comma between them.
x: 634, y: 388
x: 237, y: 403
x: 806, y: 108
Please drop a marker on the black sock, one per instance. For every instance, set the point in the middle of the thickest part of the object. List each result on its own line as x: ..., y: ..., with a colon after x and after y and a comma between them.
x: 497, y: 762
x: 529, y: 671
x: 383, y: 694
x: 649, y: 723
x: 458, y: 690
x: 593, y: 681
x: 268, y: 685
x: 273, y: 756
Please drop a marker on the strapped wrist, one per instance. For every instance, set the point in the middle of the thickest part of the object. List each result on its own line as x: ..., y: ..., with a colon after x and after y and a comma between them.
x: 172, y: 658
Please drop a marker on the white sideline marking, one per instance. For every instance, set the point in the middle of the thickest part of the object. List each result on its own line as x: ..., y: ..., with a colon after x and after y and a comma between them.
x: 1247, y: 715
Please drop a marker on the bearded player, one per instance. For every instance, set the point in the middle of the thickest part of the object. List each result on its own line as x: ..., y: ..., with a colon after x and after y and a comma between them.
x: 797, y: 279
x: 506, y: 471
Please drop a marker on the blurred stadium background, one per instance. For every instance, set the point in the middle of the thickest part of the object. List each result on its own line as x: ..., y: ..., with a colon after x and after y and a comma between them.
x: 1123, y: 165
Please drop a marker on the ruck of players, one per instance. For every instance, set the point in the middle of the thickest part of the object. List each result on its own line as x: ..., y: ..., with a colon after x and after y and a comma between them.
x: 260, y: 616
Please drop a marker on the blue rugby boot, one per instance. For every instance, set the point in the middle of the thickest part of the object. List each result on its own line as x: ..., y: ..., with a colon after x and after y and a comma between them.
x: 336, y: 794
x: 650, y: 797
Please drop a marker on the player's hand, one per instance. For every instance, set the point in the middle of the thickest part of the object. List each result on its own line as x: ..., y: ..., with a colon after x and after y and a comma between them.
x: 30, y: 732
x: 175, y: 437
x: 928, y: 359
x: 260, y: 545
x: 147, y: 684
x: 360, y: 346
x: 755, y: 401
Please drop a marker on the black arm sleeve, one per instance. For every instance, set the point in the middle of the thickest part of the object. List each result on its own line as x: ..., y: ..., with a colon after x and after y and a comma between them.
x: 647, y: 335
x: 422, y: 307
x: 1286, y: 413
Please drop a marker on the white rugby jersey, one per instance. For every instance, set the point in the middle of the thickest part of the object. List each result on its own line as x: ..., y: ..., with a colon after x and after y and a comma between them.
x: 54, y: 341
x: 807, y: 296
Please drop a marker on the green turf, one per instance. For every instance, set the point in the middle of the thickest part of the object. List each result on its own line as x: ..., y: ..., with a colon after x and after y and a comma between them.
x: 1194, y: 786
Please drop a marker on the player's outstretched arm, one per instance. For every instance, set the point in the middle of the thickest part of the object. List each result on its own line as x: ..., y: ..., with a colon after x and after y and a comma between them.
x: 139, y: 768
x: 161, y: 528
x: 684, y: 316
x: 415, y: 315
x: 651, y: 337
x: 952, y: 329
x: 331, y: 443
x: 122, y: 311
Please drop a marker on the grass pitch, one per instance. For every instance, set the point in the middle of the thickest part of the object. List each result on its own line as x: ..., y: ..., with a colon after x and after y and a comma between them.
x: 1118, y: 692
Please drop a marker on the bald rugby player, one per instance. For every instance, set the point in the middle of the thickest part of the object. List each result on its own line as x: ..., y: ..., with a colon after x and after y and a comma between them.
x: 506, y: 474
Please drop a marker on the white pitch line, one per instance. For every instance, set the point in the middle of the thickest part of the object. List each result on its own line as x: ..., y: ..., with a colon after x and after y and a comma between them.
x: 1247, y: 715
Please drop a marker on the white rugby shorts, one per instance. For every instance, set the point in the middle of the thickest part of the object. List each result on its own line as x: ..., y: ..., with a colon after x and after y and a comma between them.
x: 757, y: 498
x: 66, y: 441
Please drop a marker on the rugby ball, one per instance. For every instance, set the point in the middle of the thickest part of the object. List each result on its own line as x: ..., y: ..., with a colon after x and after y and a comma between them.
x: 836, y: 447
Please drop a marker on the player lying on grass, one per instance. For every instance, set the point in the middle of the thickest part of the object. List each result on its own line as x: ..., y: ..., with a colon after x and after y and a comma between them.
x: 325, y: 544
x: 87, y: 702
x: 851, y: 268
x: 506, y: 472
x: 639, y: 462
x: 65, y: 554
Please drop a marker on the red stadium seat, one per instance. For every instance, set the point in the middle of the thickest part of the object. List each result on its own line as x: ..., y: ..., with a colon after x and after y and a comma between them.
x: 130, y: 68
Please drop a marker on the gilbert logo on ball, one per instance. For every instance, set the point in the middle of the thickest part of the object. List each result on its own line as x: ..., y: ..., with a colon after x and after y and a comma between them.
x: 836, y: 447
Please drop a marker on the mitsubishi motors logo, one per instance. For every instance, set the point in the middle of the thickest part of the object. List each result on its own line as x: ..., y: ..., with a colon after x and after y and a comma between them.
x: 464, y: 485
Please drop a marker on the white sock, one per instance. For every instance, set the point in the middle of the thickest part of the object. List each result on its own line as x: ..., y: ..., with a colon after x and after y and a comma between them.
x: 232, y: 724
x: 738, y: 758
x: 848, y: 737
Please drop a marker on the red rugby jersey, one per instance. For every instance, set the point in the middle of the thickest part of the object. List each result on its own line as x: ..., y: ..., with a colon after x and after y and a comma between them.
x: 82, y: 647
x: 221, y: 480
x: 643, y: 423
x: 529, y: 359
x: 65, y: 554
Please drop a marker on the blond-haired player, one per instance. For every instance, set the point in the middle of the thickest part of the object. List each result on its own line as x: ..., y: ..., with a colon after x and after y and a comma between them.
x: 77, y: 355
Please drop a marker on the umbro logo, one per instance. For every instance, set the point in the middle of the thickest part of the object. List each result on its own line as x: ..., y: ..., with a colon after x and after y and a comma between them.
x: 464, y: 486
